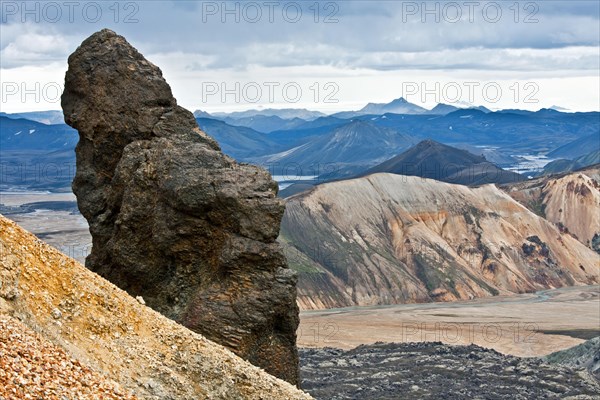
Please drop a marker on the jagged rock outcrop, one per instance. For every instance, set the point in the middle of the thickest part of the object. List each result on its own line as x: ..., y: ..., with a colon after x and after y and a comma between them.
x: 172, y: 218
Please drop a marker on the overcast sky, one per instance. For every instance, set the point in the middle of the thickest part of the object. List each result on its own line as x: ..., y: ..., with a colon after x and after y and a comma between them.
x: 328, y: 56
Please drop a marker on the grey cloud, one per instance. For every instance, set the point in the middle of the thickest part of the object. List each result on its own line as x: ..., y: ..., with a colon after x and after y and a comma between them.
x: 369, y: 34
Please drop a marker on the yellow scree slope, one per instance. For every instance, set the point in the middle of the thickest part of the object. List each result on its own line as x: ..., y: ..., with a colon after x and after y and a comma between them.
x: 106, y: 329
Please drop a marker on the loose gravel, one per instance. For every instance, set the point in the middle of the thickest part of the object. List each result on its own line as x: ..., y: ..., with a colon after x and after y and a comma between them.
x: 33, y: 368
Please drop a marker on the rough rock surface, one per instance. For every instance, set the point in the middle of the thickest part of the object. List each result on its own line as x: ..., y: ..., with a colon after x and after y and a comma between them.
x: 436, y: 371
x: 584, y: 356
x: 172, y: 218
x: 108, y: 331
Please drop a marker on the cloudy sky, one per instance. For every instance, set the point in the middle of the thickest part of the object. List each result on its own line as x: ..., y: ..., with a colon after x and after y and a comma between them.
x: 327, y: 55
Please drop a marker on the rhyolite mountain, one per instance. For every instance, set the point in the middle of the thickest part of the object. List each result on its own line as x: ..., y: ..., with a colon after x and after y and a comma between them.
x: 172, y: 218
x: 430, y: 159
x: 388, y: 239
x: 571, y: 201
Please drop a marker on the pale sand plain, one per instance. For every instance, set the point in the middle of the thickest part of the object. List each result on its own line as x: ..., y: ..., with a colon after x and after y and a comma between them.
x: 524, y: 325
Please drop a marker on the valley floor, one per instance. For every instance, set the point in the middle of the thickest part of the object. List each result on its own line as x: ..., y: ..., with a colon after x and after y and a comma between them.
x: 52, y: 217
x: 524, y: 325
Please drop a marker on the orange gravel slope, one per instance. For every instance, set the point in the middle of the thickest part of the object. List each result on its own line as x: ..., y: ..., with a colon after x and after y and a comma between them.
x: 33, y: 368
x: 112, y: 333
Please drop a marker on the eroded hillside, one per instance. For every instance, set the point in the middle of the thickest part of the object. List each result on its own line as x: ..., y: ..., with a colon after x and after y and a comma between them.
x: 571, y: 201
x: 114, y: 335
x: 387, y: 239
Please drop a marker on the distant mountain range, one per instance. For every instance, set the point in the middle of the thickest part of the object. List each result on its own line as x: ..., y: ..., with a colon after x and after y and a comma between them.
x: 402, y: 106
x: 266, y: 123
x: 397, y: 106
x: 430, y: 159
x: 284, y: 113
x: 36, y: 156
x: 578, y: 147
x: 52, y: 117
x: 337, y: 148
x: 565, y: 165
x: 202, y: 114
x: 442, y: 109
x: 23, y: 134
x: 347, y: 148
x: 237, y: 141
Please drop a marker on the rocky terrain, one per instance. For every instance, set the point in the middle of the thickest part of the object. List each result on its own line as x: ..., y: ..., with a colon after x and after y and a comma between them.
x: 33, y: 368
x: 172, y: 218
x: 105, y: 335
x: 389, y: 239
x: 437, y: 371
x: 584, y: 356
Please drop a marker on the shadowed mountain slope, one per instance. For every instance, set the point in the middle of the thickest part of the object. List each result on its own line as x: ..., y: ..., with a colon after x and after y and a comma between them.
x: 430, y: 159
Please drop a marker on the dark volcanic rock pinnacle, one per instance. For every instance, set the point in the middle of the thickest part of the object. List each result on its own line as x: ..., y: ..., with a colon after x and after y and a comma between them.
x: 172, y: 218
